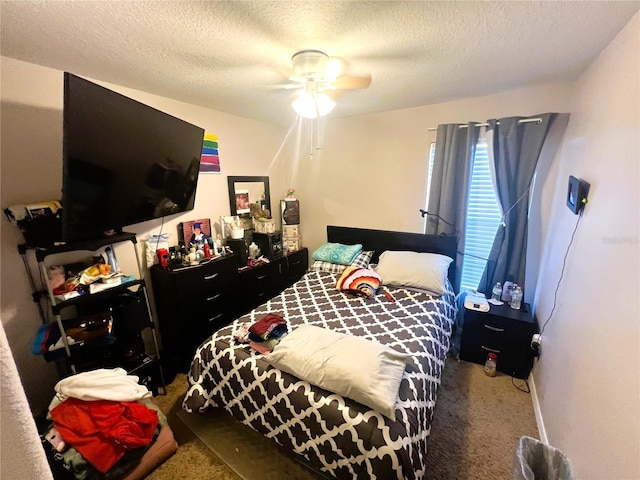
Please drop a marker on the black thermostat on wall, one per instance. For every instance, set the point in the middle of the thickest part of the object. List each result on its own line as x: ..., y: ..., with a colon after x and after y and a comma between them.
x: 577, y: 194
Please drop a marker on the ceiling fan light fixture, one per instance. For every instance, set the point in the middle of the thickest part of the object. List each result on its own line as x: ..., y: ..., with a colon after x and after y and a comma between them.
x: 309, y: 63
x: 311, y: 106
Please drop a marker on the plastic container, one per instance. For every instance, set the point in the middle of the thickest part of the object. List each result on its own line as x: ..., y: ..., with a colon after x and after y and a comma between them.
x: 507, y: 288
x: 496, y: 293
x: 516, y: 297
x: 254, y: 251
x: 490, y: 365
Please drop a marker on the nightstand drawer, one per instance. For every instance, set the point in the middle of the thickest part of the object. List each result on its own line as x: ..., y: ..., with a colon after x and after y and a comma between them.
x: 504, y: 331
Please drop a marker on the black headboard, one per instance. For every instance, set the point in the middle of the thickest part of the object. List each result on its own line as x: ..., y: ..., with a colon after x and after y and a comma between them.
x: 381, y: 240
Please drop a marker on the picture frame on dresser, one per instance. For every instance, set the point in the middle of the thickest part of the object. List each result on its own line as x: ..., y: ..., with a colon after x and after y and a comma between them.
x: 186, y: 230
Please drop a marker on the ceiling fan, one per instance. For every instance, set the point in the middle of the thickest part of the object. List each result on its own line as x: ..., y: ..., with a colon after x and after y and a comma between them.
x: 320, y: 77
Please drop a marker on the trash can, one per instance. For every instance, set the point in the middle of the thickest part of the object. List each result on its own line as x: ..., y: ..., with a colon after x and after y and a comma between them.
x: 538, y: 461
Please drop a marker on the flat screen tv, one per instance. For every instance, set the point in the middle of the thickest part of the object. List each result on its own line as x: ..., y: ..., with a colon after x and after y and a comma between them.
x: 124, y: 162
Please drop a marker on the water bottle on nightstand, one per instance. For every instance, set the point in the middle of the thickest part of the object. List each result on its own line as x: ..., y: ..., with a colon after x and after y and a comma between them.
x: 496, y: 293
x: 516, y: 297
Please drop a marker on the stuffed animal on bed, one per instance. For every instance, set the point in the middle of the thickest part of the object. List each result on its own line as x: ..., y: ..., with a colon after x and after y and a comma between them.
x: 359, y: 281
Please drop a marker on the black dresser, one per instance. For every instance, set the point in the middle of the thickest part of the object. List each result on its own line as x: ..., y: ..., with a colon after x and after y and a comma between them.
x: 193, y: 302
x: 503, y: 330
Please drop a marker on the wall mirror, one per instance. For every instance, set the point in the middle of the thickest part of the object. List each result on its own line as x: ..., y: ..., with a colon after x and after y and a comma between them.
x: 243, y: 191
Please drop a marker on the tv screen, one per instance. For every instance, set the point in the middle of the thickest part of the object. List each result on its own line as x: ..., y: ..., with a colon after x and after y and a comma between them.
x: 124, y: 162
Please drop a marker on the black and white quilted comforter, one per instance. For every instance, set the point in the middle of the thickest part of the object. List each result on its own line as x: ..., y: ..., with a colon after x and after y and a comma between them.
x: 336, y: 435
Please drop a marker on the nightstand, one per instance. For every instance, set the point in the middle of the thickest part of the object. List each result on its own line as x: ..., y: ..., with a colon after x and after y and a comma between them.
x: 502, y: 330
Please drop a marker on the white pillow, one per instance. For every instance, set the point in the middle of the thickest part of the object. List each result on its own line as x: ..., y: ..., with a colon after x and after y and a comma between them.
x: 354, y: 367
x: 422, y: 270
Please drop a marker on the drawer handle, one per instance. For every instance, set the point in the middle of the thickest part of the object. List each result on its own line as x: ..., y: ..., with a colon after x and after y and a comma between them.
x: 490, y: 349
x: 297, y: 263
x: 211, y: 277
x: 213, y: 319
x: 495, y: 329
x: 209, y: 299
x: 262, y: 277
x: 261, y: 294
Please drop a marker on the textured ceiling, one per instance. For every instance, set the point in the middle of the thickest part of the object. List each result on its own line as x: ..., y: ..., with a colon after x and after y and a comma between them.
x: 226, y: 55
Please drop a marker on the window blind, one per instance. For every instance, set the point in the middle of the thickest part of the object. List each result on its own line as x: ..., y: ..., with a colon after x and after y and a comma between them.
x: 483, y: 218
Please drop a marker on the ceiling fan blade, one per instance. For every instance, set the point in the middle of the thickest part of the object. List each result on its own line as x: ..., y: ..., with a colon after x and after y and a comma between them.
x: 346, y: 82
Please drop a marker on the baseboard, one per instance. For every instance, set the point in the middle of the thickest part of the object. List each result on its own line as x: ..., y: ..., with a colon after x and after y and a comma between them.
x: 536, y: 410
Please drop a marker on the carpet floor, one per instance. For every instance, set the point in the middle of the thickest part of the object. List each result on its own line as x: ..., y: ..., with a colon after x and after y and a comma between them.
x: 477, y: 423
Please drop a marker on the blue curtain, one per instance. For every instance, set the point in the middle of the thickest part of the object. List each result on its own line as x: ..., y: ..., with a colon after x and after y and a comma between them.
x: 515, y: 148
x: 451, y: 176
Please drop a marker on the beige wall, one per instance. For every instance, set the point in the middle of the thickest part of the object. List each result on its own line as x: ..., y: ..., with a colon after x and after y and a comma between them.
x: 31, y: 149
x: 371, y: 171
x: 587, y: 378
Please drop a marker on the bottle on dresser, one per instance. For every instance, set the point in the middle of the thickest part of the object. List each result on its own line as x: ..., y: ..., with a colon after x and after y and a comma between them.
x: 507, y: 288
x: 516, y: 297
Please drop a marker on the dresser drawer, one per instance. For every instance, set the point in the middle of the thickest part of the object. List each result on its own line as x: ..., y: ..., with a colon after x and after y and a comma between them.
x: 200, y: 281
x: 207, y: 320
x: 260, y: 284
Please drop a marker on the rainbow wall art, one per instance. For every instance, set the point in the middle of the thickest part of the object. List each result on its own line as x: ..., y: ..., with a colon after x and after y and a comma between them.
x: 210, y: 158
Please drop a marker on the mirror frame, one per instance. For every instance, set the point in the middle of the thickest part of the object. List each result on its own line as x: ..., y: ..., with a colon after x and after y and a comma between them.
x: 232, y: 191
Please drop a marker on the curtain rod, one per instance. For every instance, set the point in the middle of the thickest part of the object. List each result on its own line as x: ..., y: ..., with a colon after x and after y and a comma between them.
x: 526, y: 120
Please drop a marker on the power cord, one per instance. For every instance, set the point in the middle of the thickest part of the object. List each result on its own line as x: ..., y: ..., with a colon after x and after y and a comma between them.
x: 536, y: 347
x: 424, y: 213
x: 160, y: 233
x: 526, y: 382
x: 564, y: 262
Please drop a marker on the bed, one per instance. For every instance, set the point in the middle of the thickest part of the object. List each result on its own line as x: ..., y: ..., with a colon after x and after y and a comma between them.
x: 336, y: 435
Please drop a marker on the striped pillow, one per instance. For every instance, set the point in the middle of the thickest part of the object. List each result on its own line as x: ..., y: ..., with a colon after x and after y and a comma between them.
x: 359, y: 281
x: 361, y: 260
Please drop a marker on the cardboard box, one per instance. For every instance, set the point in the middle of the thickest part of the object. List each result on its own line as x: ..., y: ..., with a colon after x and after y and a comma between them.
x: 290, y: 231
x: 292, y: 244
x: 265, y: 227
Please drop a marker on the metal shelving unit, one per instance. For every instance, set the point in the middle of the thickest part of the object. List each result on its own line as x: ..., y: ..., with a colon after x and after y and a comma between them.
x: 98, y: 353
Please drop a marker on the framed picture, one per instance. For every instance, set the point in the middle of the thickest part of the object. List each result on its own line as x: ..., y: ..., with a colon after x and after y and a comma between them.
x: 194, y: 231
x: 242, y: 201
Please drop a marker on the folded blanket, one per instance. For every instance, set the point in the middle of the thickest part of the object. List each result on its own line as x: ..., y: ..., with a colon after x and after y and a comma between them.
x: 100, y: 384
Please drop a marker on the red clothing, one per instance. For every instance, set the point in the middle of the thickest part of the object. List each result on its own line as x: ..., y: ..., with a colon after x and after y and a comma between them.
x: 103, y: 430
x: 267, y: 323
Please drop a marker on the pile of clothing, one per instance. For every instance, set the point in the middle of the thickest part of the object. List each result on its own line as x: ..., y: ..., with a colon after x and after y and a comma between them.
x: 264, y: 334
x: 100, y: 423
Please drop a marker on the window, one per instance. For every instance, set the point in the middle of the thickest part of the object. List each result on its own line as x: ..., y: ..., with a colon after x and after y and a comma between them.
x: 483, y: 217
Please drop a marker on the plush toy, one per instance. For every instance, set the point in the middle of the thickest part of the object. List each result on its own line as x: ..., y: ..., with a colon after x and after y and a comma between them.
x: 257, y: 212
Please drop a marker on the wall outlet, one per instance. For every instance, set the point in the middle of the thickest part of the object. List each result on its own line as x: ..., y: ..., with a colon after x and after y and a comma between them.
x: 536, y: 340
